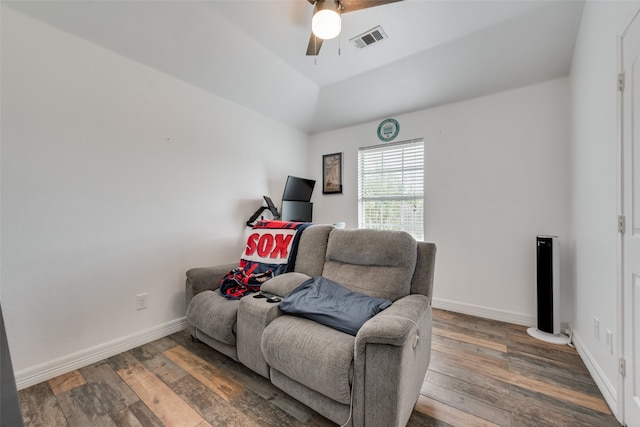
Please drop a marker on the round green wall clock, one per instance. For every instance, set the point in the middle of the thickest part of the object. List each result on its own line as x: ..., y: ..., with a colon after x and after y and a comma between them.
x: 388, y: 129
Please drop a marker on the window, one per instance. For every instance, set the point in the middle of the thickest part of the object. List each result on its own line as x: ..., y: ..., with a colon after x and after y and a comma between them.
x: 391, y: 187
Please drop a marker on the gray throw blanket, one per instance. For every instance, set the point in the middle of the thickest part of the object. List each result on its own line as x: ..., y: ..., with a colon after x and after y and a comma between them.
x: 332, y: 304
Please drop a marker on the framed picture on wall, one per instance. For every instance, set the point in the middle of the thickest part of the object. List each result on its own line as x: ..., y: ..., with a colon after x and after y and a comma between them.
x: 332, y: 173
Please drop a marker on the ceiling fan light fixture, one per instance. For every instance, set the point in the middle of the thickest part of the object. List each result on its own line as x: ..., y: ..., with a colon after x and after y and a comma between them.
x: 326, y: 23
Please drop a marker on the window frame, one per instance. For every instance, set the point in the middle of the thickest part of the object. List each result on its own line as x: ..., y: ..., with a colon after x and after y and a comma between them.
x: 398, y: 163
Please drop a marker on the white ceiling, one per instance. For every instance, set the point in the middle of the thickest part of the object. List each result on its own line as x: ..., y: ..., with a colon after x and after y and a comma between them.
x: 252, y: 52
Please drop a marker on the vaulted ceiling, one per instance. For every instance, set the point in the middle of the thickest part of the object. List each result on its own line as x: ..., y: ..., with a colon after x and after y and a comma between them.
x: 252, y: 52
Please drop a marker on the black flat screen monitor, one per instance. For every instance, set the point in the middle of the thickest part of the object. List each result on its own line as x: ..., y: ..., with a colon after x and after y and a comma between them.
x: 296, y: 211
x: 298, y: 189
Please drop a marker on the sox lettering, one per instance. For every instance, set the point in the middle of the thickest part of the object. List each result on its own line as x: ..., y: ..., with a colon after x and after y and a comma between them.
x: 268, y: 245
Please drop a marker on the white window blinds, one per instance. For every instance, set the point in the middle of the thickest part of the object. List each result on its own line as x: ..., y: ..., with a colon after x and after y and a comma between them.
x: 391, y: 187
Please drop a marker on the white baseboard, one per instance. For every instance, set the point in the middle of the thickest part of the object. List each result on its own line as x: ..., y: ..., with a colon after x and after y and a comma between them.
x: 80, y: 359
x: 484, y: 312
x: 608, y: 390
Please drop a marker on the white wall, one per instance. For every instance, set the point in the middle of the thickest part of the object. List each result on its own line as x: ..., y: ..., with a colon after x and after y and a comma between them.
x: 497, y: 175
x: 595, y: 193
x: 116, y: 179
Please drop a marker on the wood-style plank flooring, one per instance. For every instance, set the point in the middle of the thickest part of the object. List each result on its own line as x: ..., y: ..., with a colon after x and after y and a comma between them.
x: 482, y: 373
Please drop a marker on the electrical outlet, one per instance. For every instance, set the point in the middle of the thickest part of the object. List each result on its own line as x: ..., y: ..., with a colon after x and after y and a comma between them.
x: 609, y: 341
x: 596, y: 328
x: 141, y: 301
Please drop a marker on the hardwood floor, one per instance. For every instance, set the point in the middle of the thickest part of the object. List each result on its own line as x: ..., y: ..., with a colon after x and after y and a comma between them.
x: 482, y: 373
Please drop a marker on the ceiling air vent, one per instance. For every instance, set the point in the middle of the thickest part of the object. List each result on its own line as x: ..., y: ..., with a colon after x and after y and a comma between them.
x: 368, y: 38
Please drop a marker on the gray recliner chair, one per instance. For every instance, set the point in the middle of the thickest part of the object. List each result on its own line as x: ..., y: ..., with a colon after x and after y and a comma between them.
x: 370, y: 379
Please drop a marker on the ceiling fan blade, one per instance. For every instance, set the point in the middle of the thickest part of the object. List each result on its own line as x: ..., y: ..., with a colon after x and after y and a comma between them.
x: 315, y: 43
x: 353, y: 5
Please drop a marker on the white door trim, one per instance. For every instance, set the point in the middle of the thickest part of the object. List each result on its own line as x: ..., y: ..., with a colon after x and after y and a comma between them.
x: 620, y: 348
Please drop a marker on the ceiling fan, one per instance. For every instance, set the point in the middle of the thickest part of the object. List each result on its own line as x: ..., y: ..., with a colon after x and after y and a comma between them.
x: 326, y: 23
